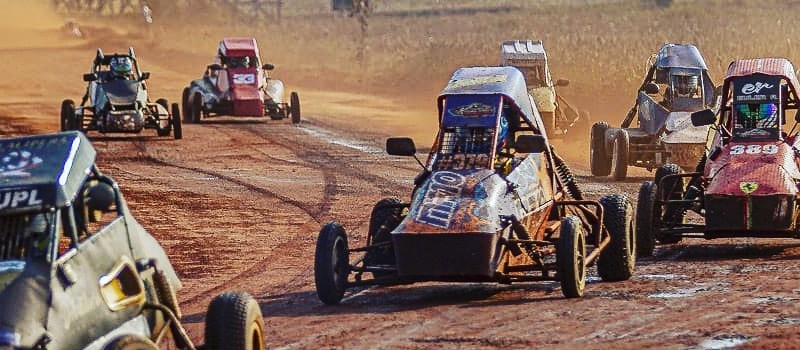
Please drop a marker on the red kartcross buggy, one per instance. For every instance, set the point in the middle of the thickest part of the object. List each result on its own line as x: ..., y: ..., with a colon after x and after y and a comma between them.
x: 746, y: 184
x: 494, y: 204
x: 237, y: 84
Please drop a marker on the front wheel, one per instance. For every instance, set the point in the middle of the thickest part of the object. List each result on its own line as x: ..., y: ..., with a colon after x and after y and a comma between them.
x: 234, y: 322
x: 294, y: 107
x: 185, y: 104
x: 599, y: 159
x: 67, y: 115
x: 177, y: 128
x: 618, y: 259
x: 571, y: 257
x: 197, y: 107
x: 162, y: 131
x: 331, y: 264
x: 619, y: 159
x: 646, y: 224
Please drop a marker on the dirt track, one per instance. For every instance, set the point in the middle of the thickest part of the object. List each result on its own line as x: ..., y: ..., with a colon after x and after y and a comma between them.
x: 238, y: 203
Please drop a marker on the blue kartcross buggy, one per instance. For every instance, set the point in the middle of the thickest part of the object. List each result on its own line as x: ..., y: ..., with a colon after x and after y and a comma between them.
x: 676, y: 84
x: 493, y: 204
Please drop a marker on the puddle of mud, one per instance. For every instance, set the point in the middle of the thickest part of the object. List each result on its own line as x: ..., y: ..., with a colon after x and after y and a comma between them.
x: 680, y: 293
x: 778, y: 321
x: 724, y: 342
x: 772, y: 300
x: 663, y: 277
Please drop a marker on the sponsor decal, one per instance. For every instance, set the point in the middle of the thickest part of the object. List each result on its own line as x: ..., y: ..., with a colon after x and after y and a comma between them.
x: 455, y: 84
x: 441, y: 200
x: 11, y: 199
x: 754, y: 149
x: 754, y: 88
x: 463, y: 161
x: 18, y: 163
x: 748, y: 187
x: 241, y: 78
x: 476, y: 109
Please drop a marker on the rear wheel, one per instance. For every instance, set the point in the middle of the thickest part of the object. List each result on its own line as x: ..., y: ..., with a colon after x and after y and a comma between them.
x: 130, y: 342
x: 571, y: 257
x: 177, y: 128
x: 162, y: 131
x: 599, y: 159
x: 197, y: 107
x: 646, y: 224
x: 185, y: 105
x: 618, y: 259
x: 67, y: 115
x: 294, y: 107
x: 331, y: 264
x: 234, y: 322
x: 619, y: 158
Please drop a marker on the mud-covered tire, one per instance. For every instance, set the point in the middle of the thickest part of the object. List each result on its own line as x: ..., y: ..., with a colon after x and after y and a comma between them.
x: 566, y: 177
x: 599, y: 159
x: 197, y: 107
x: 185, y: 107
x: 159, y: 130
x: 618, y: 260
x: 619, y: 158
x: 67, y: 115
x: 571, y: 257
x: 294, y: 107
x: 386, y: 215
x: 130, y: 342
x: 234, y: 322
x: 177, y: 128
x: 331, y: 264
x: 166, y: 293
x: 670, y: 189
x: 646, y: 224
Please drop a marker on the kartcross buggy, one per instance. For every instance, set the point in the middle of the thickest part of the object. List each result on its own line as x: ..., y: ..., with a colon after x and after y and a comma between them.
x: 494, y: 204
x: 746, y: 185
x: 236, y: 84
x: 676, y: 84
x: 77, y: 271
x: 119, y: 103
x: 558, y: 116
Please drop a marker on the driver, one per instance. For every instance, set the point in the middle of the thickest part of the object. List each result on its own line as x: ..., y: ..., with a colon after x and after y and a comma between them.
x: 755, y: 115
x: 239, y: 62
x: 686, y: 85
x: 121, y: 68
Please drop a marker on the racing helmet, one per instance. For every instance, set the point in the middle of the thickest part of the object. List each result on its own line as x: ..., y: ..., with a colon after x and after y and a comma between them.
x: 686, y: 85
x: 757, y: 115
x: 120, y: 66
x: 240, y: 62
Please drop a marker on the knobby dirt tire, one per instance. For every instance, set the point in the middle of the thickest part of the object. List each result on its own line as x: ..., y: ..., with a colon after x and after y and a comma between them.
x: 646, y: 220
x: 618, y: 260
x: 599, y: 159
x: 331, y: 264
x: 197, y: 107
x: 185, y: 106
x: 67, y: 115
x: 131, y: 342
x: 294, y: 107
x: 571, y: 257
x: 619, y: 158
x: 159, y: 130
x: 234, y: 322
x: 177, y: 128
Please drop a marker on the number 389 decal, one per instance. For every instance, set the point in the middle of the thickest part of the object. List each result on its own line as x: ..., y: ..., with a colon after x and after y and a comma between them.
x: 754, y: 149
